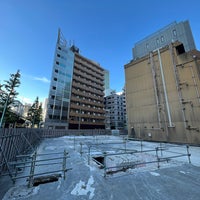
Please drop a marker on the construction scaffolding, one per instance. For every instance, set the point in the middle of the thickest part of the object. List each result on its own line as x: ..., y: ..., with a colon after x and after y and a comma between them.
x: 117, y: 156
x: 37, y: 165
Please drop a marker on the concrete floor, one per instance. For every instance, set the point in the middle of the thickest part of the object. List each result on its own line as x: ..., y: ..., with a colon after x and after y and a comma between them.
x: 174, y: 180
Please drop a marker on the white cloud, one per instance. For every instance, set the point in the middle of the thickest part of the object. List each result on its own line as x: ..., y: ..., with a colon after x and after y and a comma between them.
x: 43, y: 79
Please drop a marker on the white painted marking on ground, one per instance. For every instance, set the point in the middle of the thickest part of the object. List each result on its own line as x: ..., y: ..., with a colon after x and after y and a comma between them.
x: 59, y: 183
x: 50, y: 148
x: 83, y: 189
x: 154, y: 174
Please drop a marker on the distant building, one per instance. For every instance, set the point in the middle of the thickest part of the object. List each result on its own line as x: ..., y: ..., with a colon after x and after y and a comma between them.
x: 76, y: 91
x: 107, y: 90
x: 173, y: 32
x: 17, y: 107
x: 27, y: 106
x: 115, y: 111
x: 44, y: 108
x: 106, y: 79
x: 163, y: 95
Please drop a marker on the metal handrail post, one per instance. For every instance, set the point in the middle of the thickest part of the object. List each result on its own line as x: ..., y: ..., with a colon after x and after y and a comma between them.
x: 158, y: 159
x: 188, y: 153
x: 32, y: 170
x: 64, y: 163
x: 104, y: 164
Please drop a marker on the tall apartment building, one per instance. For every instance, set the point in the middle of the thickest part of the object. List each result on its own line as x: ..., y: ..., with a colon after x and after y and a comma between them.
x: 173, y: 32
x: 115, y: 106
x: 76, y: 90
x: 163, y: 95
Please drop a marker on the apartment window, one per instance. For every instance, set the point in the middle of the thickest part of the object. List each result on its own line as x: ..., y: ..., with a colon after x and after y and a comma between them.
x: 55, y: 79
x: 157, y: 41
x: 59, y: 48
x: 57, y: 63
x: 56, y: 70
x: 58, y: 55
x: 50, y: 116
x: 54, y: 88
x: 162, y: 38
x: 174, y: 33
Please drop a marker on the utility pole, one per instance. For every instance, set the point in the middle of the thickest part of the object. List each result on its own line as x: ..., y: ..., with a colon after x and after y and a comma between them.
x: 4, y: 110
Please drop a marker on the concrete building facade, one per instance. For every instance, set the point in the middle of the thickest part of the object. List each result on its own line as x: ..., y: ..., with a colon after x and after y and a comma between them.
x: 163, y: 95
x: 76, y: 90
x: 173, y: 32
x: 115, y: 106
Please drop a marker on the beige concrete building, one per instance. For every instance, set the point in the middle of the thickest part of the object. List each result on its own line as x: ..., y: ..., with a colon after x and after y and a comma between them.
x: 163, y: 95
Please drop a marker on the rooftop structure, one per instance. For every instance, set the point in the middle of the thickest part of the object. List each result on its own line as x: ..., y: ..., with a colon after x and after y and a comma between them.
x: 173, y: 32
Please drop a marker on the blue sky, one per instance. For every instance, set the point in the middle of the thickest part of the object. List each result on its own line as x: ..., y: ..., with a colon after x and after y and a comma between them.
x: 104, y: 30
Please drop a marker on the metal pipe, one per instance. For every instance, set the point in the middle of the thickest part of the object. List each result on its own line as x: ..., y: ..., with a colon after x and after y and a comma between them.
x: 155, y: 89
x: 64, y: 163
x: 177, y: 86
x: 27, y: 141
x: 195, y: 83
x: 165, y: 90
x: 42, y: 173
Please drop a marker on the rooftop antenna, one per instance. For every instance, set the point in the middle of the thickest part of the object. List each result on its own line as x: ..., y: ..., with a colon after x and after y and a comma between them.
x: 61, y: 39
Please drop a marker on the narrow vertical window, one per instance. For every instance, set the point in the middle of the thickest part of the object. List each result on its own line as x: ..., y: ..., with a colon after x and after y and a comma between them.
x: 157, y: 41
x: 162, y: 38
x: 174, y: 33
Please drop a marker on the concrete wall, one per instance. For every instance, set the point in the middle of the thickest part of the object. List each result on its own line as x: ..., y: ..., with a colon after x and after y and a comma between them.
x: 170, y: 113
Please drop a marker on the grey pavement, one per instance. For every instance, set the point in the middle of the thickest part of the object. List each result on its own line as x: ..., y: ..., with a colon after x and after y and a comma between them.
x: 179, y: 180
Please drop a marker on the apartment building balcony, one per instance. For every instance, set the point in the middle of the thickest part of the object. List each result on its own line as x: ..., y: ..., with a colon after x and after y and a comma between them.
x: 80, y: 93
x: 72, y: 121
x: 86, y: 108
x: 78, y: 85
x: 82, y: 80
x: 89, y: 74
x: 87, y: 116
x: 86, y: 101
x: 89, y: 64
x: 92, y: 71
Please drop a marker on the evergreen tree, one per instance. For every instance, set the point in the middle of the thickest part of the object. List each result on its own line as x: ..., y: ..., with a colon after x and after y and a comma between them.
x: 35, y: 113
x: 8, y: 94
